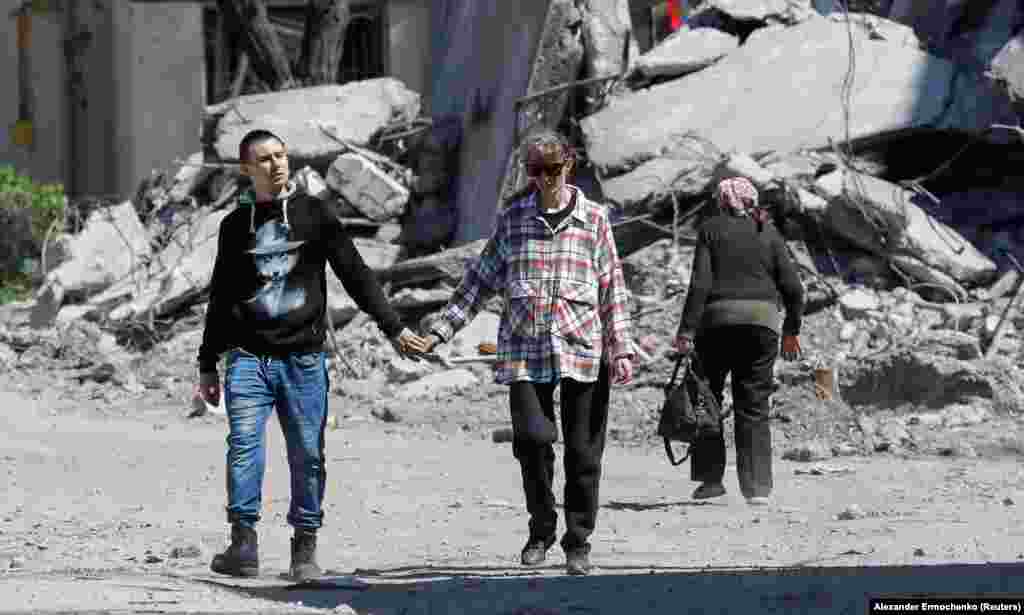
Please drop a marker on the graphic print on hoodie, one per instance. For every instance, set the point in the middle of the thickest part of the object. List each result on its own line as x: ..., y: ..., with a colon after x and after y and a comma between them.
x: 268, y: 292
x: 275, y: 258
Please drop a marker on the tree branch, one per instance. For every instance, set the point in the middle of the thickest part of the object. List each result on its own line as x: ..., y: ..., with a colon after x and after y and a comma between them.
x: 260, y: 41
x: 324, y: 40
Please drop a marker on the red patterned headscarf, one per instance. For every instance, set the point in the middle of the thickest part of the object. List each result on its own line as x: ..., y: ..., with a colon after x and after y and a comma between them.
x: 738, y: 197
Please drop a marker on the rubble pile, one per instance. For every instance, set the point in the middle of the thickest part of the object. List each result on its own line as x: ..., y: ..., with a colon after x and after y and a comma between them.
x: 912, y: 274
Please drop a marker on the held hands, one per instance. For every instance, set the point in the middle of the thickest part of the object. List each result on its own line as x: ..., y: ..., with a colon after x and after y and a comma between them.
x: 408, y: 343
x: 622, y: 370
x: 791, y: 347
x: 432, y: 341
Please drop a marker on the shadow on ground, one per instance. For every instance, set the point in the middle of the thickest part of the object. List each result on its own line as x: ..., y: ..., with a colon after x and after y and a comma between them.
x: 635, y: 591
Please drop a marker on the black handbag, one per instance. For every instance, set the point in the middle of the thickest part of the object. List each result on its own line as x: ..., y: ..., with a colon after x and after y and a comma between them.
x: 690, y: 412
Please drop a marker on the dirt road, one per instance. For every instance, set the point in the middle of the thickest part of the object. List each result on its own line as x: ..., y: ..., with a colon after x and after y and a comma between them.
x: 122, y: 514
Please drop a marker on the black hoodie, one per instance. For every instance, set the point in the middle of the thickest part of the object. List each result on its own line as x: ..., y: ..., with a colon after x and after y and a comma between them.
x: 268, y: 294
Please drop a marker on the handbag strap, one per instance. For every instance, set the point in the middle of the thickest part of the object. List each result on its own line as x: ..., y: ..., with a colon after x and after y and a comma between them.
x: 675, y: 372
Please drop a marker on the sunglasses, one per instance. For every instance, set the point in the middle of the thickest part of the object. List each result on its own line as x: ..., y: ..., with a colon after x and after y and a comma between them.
x: 536, y: 170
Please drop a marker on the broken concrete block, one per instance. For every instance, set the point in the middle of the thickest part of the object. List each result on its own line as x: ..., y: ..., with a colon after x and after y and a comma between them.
x: 685, y: 51
x: 201, y: 227
x: 962, y: 316
x: 766, y: 33
x: 858, y: 303
x: 900, y: 224
x: 420, y: 298
x: 437, y: 386
x: 47, y: 305
x: 811, y: 450
x: 902, y: 375
x: 8, y: 358
x: 892, y: 433
x: 312, y: 120
x: 558, y: 59
x: 190, y: 176
x: 310, y: 182
x: 1004, y: 285
x: 793, y: 165
x: 1008, y: 68
x: 964, y: 415
x: 785, y: 11
x: 606, y: 29
x: 369, y: 189
x: 686, y: 172
x: 933, y: 282
x: 186, y: 267
x: 402, y: 370
x: 71, y: 313
x: 378, y: 255
x: 897, y: 88
x: 810, y: 203
x: 742, y: 165
x: 112, y: 244
x: 882, y: 29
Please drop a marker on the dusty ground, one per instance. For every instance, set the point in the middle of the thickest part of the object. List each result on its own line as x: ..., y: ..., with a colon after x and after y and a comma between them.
x: 118, y: 507
x: 113, y: 497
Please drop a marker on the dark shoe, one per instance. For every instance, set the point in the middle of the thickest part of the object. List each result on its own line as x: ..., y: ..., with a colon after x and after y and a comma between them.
x: 577, y: 561
x: 241, y: 559
x: 708, y: 490
x: 304, y: 565
x: 535, y: 552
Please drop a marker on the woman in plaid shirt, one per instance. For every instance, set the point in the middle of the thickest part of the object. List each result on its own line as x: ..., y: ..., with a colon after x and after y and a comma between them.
x: 566, y: 323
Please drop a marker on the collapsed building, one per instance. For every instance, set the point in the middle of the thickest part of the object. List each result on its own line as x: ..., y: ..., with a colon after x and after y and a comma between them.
x: 887, y: 149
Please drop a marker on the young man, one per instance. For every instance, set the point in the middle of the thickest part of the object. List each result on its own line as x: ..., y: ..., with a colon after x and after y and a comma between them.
x: 267, y: 311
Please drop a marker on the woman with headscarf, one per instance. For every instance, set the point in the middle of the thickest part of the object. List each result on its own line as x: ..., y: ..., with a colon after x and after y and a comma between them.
x: 565, y: 325
x: 742, y: 273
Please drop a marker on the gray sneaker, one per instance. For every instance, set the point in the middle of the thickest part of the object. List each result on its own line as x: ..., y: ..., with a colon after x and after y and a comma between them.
x: 577, y: 561
x: 535, y: 552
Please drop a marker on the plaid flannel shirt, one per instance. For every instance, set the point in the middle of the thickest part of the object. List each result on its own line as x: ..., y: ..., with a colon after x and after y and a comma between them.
x: 566, y: 301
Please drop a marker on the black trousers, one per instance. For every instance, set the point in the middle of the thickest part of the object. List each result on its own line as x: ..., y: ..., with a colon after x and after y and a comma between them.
x: 747, y: 352
x: 584, y: 419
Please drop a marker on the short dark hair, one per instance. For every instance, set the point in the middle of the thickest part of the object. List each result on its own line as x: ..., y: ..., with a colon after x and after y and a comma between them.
x: 255, y: 137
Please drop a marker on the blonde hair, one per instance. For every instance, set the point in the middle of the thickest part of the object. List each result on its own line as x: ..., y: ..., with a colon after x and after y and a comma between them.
x: 545, y: 140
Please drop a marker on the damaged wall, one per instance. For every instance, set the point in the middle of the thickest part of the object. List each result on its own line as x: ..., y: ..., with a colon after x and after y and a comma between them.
x: 482, y: 54
x: 46, y: 161
x: 133, y: 103
x: 160, y: 87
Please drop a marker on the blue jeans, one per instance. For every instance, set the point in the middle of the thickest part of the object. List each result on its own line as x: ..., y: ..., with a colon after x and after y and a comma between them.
x: 296, y: 386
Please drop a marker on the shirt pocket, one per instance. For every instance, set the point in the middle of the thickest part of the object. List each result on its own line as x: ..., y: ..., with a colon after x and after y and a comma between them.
x: 521, y: 310
x: 576, y: 314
